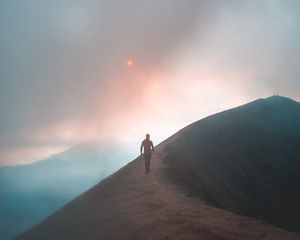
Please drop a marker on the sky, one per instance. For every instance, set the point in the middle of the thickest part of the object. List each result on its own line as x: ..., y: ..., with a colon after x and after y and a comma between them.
x: 65, y: 77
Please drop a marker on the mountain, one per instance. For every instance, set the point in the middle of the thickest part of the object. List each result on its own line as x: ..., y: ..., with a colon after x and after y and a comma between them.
x: 233, y: 175
x: 29, y: 193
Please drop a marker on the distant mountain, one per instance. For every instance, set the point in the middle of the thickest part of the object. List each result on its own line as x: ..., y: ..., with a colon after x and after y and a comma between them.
x: 29, y: 193
x: 234, y: 175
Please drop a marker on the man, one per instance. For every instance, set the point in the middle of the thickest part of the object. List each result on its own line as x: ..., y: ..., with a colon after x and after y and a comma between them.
x: 147, y: 144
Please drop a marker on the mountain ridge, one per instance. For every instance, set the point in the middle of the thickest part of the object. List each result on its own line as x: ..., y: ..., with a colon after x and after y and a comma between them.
x: 214, y: 179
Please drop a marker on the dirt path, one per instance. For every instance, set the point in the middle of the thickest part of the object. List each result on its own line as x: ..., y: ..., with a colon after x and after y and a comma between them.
x: 164, y: 210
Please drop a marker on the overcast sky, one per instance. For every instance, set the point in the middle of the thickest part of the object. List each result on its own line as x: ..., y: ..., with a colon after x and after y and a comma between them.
x: 64, y: 77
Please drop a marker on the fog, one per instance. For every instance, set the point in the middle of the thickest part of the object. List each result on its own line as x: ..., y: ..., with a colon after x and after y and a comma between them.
x: 64, y: 78
x: 31, y: 192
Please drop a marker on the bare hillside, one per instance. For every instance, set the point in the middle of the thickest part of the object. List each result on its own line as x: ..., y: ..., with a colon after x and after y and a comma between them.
x: 232, y: 175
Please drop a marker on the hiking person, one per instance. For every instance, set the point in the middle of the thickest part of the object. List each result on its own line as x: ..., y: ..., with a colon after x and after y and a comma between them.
x: 147, y: 144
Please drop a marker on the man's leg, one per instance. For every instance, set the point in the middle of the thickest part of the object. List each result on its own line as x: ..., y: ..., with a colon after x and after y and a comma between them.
x: 147, y: 163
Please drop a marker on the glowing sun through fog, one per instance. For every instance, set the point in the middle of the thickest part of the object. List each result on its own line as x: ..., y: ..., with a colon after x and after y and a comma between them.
x: 129, y: 63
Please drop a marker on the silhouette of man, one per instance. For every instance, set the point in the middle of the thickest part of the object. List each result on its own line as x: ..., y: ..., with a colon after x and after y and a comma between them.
x: 147, y: 144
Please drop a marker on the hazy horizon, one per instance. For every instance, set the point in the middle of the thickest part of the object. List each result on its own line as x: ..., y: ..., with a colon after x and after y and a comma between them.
x: 65, y: 77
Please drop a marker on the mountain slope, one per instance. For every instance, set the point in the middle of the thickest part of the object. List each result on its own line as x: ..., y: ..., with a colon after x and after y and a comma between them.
x: 244, y: 160
x: 248, y: 159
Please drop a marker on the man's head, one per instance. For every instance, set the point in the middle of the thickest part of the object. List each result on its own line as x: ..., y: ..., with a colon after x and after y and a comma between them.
x: 147, y: 136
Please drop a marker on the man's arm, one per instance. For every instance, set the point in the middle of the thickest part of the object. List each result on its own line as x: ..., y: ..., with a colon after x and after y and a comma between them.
x: 141, y: 148
x: 152, y: 146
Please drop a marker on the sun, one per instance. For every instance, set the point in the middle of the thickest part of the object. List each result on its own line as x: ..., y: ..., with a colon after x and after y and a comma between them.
x: 129, y: 63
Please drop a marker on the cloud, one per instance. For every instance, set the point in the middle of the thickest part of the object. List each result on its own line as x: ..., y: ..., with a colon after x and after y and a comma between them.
x: 59, y: 58
x: 64, y: 79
